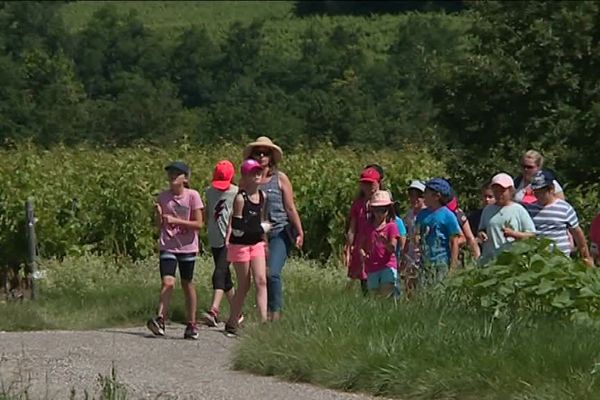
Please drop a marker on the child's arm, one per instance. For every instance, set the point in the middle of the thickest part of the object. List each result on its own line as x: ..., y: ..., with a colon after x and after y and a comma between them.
x: 402, y: 243
x: 471, y: 240
x: 582, y: 246
x: 158, y: 216
x: 454, y: 251
x: 196, y: 221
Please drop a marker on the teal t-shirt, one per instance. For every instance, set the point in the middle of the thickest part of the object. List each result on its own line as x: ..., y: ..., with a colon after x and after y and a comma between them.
x: 402, y: 230
x: 436, y: 229
x: 493, y: 219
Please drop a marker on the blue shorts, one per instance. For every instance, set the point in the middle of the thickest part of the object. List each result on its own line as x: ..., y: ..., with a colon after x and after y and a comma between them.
x: 386, y: 276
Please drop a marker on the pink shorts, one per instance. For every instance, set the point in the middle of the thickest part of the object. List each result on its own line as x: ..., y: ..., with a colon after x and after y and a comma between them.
x: 239, y: 253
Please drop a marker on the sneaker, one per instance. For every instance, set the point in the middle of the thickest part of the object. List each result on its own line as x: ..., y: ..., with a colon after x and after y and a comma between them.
x: 191, y: 331
x: 241, y: 319
x: 210, y: 319
x: 156, y: 326
x: 231, y: 331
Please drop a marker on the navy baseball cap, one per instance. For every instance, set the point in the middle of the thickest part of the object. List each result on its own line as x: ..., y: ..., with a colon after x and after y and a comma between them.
x: 179, y: 166
x: 439, y: 185
x: 541, y: 180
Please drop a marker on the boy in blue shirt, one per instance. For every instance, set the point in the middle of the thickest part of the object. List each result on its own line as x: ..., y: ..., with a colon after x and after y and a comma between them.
x: 439, y: 232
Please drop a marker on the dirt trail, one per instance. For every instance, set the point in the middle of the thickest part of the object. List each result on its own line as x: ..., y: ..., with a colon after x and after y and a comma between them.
x: 52, y: 363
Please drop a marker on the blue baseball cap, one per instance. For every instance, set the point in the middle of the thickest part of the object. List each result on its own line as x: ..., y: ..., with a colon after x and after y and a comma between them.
x: 439, y: 185
x: 541, y: 180
x: 179, y: 166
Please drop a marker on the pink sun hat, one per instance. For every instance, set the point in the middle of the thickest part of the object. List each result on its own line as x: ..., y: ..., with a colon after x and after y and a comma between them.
x: 381, y: 198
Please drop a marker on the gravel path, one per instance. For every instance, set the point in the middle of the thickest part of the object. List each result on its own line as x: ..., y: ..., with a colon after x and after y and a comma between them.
x: 50, y: 364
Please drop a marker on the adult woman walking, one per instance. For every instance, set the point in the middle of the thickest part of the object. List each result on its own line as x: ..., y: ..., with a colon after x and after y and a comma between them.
x: 532, y: 162
x: 281, y: 210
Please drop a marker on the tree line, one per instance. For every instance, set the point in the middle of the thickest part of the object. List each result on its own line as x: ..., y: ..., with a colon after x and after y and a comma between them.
x: 477, y: 88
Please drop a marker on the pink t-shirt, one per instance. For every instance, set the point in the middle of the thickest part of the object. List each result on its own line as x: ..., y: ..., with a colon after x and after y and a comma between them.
x: 358, y: 212
x: 379, y: 256
x: 176, y: 238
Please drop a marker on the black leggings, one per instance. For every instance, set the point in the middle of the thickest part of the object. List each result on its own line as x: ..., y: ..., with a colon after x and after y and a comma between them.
x: 221, y: 278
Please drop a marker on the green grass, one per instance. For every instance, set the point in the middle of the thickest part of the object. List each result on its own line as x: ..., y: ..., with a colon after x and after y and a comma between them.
x: 419, y: 350
x: 109, y: 387
x: 336, y: 338
x: 95, y: 292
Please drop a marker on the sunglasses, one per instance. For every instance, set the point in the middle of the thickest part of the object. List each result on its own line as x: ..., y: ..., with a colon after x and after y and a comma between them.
x: 524, y: 166
x: 261, y: 153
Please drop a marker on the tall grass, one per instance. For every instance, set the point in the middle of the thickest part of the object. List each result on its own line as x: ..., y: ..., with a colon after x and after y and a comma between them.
x: 90, y: 292
x: 422, y: 350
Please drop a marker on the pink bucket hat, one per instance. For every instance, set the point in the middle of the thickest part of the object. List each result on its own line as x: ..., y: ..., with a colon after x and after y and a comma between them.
x: 381, y: 198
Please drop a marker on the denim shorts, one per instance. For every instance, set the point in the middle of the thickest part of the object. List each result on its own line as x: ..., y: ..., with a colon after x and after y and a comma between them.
x: 386, y: 276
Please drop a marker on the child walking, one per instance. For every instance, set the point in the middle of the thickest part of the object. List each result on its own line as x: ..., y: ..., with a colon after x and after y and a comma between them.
x: 410, y: 263
x: 379, y: 245
x: 370, y: 182
x: 438, y: 231
x: 219, y: 206
x: 247, y: 243
x: 179, y: 218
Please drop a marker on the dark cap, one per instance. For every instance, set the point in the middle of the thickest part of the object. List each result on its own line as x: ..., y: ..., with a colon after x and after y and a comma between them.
x: 542, y: 179
x: 179, y: 166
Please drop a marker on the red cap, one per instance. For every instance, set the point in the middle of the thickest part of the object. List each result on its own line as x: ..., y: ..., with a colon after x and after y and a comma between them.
x: 223, y: 175
x: 370, y: 175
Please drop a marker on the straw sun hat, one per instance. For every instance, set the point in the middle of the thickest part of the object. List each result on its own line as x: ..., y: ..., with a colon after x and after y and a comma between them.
x: 264, y: 141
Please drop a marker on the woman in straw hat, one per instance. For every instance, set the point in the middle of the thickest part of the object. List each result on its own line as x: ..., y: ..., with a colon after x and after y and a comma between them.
x: 286, y: 228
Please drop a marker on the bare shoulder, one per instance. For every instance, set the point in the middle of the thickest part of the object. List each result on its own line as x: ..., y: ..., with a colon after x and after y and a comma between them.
x: 283, y: 178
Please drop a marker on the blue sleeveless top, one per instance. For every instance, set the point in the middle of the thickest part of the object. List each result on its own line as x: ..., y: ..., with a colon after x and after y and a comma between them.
x: 275, y: 208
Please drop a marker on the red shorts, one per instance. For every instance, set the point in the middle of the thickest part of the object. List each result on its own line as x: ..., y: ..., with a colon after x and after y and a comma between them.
x: 240, y: 253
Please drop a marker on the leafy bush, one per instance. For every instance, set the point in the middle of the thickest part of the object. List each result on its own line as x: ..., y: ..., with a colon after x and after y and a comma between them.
x: 531, y: 277
x: 101, y: 200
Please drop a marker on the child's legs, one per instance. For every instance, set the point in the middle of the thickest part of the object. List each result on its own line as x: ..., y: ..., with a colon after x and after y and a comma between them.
x: 242, y: 272
x: 374, y: 281
x: 239, y: 255
x: 167, y: 267
x: 259, y: 272
x: 387, y: 280
x: 221, y: 278
x: 187, y: 263
x: 279, y: 247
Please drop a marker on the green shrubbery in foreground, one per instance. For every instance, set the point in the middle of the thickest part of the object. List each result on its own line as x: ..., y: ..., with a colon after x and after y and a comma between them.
x: 431, y: 348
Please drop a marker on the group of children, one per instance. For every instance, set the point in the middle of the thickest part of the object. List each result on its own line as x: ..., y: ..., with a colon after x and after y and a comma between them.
x: 382, y: 249
x: 237, y: 228
x: 426, y: 245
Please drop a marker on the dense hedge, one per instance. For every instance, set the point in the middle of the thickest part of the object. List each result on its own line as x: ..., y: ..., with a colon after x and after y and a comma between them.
x: 102, y: 201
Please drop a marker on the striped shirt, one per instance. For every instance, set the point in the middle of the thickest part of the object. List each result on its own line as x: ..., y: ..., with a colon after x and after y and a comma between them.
x: 554, y: 221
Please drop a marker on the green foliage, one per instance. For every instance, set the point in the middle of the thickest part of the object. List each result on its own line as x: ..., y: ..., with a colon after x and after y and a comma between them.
x: 531, y: 277
x: 479, y: 87
x: 100, y: 200
x: 529, y: 81
x: 422, y: 349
